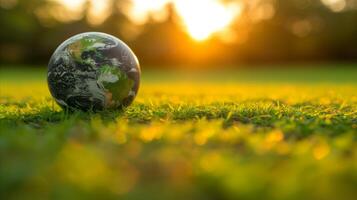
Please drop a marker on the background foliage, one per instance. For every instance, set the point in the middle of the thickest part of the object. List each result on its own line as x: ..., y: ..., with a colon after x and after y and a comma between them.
x: 295, y: 30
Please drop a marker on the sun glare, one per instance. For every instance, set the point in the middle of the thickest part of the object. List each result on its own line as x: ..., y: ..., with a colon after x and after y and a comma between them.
x: 202, y: 18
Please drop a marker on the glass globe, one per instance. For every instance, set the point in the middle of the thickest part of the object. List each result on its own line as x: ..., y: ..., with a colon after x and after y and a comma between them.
x: 93, y: 71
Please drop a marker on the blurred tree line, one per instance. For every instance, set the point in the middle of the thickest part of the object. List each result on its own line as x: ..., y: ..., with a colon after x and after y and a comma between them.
x: 267, y: 31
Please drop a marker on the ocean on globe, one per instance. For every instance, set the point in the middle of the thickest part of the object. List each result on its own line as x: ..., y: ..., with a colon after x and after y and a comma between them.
x: 93, y: 72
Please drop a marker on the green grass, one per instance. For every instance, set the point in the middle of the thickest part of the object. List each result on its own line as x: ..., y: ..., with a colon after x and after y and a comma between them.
x: 245, y: 134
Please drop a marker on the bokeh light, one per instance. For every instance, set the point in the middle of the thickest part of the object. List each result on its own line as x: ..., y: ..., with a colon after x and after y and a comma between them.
x: 335, y: 5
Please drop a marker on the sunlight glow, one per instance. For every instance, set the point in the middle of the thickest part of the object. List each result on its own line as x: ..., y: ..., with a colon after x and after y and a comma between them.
x: 73, y: 5
x: 203, y: 18
x: 335, y: 5
x: 143, y: 9
x: 99, y: 10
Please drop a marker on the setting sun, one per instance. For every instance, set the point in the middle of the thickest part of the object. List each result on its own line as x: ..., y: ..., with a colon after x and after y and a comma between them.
x: 201, y: 18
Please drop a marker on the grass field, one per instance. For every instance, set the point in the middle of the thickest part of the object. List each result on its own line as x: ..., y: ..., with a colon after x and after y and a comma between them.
x: 245, y: 134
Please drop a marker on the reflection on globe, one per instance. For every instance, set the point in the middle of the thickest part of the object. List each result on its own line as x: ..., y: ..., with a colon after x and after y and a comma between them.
x: 93, y: 71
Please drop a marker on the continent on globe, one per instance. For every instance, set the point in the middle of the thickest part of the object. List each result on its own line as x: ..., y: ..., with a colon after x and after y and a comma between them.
x: 93, y: 71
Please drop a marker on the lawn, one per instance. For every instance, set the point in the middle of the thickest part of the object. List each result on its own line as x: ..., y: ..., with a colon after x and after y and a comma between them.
x: 238, y: 134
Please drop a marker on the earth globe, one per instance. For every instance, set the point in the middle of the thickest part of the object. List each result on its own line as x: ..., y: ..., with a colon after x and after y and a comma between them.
x: 93, y: 72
